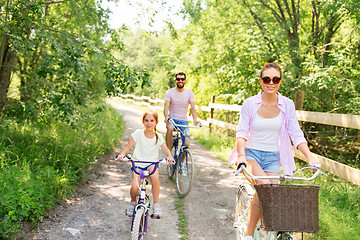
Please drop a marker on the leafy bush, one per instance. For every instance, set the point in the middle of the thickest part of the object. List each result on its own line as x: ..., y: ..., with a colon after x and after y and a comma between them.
x: 42, y: 161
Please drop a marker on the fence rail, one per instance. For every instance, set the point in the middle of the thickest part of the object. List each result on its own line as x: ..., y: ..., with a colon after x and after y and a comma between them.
x: 342, y: 120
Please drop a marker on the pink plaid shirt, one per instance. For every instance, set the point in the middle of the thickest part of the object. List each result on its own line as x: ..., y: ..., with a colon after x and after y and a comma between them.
x: 290, y: 128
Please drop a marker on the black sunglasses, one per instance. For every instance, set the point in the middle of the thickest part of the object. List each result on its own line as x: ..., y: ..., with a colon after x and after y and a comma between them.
x: 180, y: 79
x: 275, y: 80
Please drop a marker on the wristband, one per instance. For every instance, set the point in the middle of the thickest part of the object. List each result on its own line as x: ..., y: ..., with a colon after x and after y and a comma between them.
x: 241, y: 155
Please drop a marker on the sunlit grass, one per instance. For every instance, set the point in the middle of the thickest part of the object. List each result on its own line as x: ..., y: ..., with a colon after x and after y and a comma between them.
x: 182, y: 223
x: 220, y: 144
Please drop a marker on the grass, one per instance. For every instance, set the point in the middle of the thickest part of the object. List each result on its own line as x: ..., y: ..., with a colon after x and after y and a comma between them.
x: 42, y: 162
x: 182, y: 223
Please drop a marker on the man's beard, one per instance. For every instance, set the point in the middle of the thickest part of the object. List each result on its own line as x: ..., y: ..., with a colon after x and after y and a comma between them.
x: 180, y: 86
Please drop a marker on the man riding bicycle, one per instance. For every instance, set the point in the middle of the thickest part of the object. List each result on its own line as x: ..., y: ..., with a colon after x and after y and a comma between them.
x: 177, y: 100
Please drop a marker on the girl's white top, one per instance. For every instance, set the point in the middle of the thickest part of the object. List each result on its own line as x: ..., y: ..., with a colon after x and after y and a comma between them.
x: 265, y: 133
x: 145, y: 148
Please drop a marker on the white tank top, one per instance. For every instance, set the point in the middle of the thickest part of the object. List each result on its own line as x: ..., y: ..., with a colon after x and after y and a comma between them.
x: 264, y: 134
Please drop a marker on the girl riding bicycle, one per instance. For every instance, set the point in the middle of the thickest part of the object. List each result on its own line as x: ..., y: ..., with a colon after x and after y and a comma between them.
x: 267, y: 122
x: 147, y: 142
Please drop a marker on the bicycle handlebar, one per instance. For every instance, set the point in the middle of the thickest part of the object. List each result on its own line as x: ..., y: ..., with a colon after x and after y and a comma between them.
x: 242, y: 168
x: 126, y: 159
x: 171, y: 121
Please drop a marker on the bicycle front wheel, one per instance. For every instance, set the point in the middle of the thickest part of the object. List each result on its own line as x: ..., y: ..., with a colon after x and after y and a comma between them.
x: 170, y: 168
x: 184, y: 174
x: 243, y: 200
x: 138, y: 225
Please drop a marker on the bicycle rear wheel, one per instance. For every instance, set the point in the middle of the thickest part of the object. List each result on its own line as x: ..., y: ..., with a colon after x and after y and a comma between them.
x: 138, y: 224
x: 184, y: 175
x: 243, y: 200
x: 170, y: 168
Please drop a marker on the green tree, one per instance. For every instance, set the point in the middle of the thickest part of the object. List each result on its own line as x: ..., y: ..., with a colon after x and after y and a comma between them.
x: 57, y: 49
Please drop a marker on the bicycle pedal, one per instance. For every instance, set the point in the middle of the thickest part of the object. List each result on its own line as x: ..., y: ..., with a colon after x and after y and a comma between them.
x: 154, y: 217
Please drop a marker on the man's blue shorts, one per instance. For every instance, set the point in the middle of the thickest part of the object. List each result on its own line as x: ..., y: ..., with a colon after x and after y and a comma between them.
x: 269, y: 161
x: 182, y: 122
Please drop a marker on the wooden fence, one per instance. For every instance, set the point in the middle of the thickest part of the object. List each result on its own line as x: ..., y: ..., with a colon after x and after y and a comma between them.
x: 342, y: 120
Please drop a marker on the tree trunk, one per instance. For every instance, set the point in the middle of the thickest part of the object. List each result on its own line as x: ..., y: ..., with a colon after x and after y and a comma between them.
x: 7, y: 57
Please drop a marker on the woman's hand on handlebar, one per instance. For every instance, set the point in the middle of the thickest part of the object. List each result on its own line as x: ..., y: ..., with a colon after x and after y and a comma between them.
x: 240, y: 159
x: 313, y: 163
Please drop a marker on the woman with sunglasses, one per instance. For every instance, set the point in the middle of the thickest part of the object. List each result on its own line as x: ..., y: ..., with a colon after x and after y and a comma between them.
x: 267, y: 123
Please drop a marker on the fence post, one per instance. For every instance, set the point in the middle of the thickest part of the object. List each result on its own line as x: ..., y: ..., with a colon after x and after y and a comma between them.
x: 299, y: 100
x: 211, y: 111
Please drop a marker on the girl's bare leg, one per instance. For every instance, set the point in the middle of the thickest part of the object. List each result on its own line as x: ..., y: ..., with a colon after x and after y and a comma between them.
x: 155, y: 185
x: 134, y: 187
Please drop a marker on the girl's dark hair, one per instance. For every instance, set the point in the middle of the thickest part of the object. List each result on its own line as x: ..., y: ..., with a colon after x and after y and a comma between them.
x: 155, y: 115
x: 180, y: 73
x: 271, y: 65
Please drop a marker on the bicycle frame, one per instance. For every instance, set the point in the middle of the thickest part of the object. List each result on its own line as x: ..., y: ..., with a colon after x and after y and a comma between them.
x: 177, y: 144
x: 143, y: 199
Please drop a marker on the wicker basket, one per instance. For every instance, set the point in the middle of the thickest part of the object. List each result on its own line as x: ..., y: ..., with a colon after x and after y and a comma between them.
x: 290, y: 208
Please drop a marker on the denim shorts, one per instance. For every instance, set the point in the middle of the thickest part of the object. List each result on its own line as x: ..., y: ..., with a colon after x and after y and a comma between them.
x: 269, y: 161
x: 142, y: 166
x: 182, y: 122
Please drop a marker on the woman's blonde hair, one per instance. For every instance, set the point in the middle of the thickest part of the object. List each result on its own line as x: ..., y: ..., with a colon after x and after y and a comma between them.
x: 156, y: 117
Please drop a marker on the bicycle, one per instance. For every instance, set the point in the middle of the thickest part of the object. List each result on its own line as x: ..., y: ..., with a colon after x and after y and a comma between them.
x: 276, y: 223
x: 184, y: 162
x: 141, y: 211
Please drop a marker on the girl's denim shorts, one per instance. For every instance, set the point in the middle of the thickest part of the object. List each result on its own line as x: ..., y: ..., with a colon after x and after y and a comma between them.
x: 269, y: 161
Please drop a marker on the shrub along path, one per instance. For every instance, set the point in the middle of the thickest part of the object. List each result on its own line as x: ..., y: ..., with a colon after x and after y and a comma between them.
x: 97, y: 210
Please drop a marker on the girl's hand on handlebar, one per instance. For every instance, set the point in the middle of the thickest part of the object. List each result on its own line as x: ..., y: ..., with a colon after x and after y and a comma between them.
x: 120, y: 157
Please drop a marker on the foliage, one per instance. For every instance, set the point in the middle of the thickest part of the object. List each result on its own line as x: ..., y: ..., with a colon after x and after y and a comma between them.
x: 155, y: 54
x: 61, y: 54
x: 225, y: 44
x: 41, y: 163
x: 122, y: 78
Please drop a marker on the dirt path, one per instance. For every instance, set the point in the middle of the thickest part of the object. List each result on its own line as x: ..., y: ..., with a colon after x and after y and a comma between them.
x: 97, y: 211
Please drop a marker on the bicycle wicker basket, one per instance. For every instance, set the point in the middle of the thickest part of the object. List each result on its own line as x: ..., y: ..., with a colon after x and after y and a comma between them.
x: 289, y: 207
